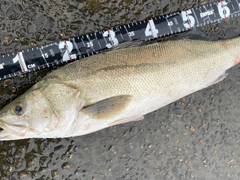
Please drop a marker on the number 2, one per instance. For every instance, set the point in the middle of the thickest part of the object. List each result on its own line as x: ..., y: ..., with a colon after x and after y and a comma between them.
x: 67, y: 54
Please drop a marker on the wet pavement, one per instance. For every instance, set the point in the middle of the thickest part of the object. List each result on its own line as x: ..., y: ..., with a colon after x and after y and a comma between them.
x: 196, y: 137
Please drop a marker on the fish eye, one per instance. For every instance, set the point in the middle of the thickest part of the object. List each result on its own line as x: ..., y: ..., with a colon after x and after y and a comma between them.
x: 18, y: 109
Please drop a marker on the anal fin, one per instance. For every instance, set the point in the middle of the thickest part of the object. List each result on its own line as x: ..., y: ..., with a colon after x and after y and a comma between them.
x: 220, y: 78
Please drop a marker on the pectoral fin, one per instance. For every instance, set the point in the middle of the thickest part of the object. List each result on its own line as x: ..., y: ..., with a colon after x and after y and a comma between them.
x: 107, y: 108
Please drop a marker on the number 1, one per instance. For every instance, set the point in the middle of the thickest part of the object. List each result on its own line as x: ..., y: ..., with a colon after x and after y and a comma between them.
x: 19, y: 58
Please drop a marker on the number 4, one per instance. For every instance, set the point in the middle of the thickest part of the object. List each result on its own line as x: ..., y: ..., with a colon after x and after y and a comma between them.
x: 151, y: 29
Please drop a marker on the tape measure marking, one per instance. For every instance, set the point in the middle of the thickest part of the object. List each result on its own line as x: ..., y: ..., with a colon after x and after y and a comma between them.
x: 93, y: 43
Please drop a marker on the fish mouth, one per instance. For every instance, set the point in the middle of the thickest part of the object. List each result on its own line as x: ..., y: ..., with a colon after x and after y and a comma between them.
x: 13, y: 130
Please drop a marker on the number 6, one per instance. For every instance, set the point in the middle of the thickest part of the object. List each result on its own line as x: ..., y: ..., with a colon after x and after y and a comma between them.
x: 223, y: 10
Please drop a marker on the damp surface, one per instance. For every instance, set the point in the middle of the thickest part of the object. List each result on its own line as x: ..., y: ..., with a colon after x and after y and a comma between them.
x: 196, y: 137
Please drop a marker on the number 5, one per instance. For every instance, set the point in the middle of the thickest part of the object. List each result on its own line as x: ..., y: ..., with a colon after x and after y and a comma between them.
x: 188, y: 20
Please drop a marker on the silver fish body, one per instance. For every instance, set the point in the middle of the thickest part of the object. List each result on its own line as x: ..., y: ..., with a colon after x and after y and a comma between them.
x: 116, y: 87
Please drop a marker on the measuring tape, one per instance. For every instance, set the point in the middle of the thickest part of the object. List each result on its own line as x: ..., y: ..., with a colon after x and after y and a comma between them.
x: 57, y: 53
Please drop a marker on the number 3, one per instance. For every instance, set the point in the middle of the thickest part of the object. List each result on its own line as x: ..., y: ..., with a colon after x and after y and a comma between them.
x: 112, y: 38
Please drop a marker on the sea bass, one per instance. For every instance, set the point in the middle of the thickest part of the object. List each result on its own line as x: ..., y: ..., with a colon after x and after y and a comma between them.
x: 116, y: 87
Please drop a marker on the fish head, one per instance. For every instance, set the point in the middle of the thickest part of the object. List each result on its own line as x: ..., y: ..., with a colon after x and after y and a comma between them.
x: 29, y: 116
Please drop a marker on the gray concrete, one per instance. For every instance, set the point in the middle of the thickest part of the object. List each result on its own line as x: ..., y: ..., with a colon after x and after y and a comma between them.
x: 196, y: 137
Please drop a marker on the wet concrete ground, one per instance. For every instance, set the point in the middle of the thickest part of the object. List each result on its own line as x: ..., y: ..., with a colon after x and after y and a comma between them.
x: 196, y: 137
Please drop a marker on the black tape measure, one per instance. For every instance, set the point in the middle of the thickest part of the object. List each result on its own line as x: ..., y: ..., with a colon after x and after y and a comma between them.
x: 80, y: 47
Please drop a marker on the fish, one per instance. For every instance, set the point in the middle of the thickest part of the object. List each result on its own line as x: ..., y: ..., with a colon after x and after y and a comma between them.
x: 116, y: 87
